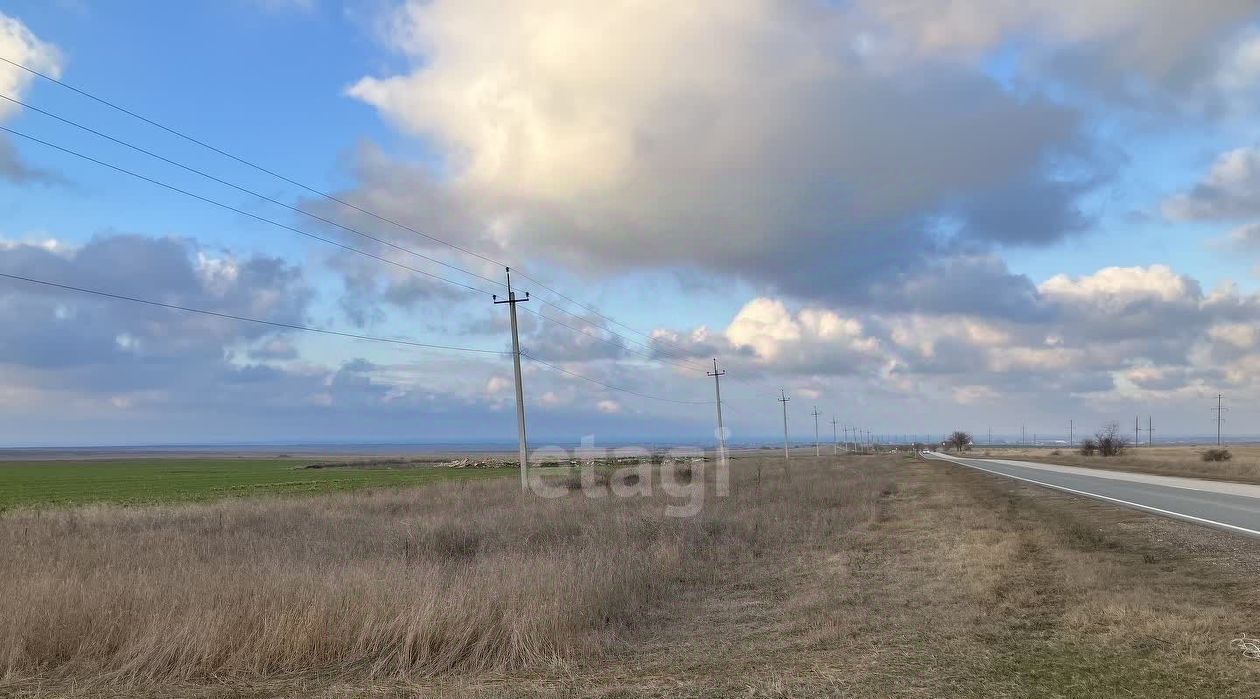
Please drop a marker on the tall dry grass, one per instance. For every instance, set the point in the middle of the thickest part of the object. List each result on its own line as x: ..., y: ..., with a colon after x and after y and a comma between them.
x: 464, y: 577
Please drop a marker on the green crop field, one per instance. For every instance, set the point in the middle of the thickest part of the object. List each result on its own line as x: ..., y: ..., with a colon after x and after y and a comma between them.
x: 136, y: 481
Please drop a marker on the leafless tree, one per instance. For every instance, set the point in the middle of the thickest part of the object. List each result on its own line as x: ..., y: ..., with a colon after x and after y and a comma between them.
x: 1110, y: 440
x: 959, y: 440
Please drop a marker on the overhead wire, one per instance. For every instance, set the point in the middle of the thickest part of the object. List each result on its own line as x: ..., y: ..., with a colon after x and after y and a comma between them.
x: 237, y: 210
x: 327, y: 331
x: 245, y: 190
x: 683, y: 355
x: 612, y: 387
x: 245, y: 319
x: 319, y: 218
x: 293, y: 326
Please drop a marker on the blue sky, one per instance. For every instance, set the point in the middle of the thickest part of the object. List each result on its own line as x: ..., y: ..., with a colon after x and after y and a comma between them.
x: 768, y: 198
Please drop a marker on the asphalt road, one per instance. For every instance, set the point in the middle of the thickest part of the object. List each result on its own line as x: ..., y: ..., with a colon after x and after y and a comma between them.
x: 1231, y: 506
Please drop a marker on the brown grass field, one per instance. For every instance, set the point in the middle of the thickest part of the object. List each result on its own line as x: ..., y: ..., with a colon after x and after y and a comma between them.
x: 1244, y: 467
x: 857, y: 576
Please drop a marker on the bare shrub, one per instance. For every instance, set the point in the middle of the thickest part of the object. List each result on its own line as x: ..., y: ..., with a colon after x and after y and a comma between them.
x: 1109, y: 440
x: 959, y: 441
x: 1089, y: 446
x: 1217, y: 455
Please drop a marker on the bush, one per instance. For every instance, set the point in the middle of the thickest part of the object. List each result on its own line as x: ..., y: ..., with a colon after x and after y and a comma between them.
x: 1109, y: 442
x: 1217, y: 455
x: 959, y: 440
x: 1056, y: 452
x: 1089, y: 446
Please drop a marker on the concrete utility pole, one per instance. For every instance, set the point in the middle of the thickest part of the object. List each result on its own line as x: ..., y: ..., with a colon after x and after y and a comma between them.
x: 1071, y: 434
x: 815, y: 414
x: 717, y: 388
x: 1220, y: 417
x: 1150, y: 432
x: 511, y: 301
x: 784, y: 400
x: 835, y: 439
x: 1136, y: 430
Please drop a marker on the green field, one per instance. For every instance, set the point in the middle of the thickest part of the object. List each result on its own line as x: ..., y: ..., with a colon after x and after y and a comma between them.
x: 138, y: 481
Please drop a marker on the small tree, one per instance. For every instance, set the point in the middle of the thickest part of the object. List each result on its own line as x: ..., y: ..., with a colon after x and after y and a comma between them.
x: 959, y: 440
x: 1110, y: 441
x: 1089, y: 446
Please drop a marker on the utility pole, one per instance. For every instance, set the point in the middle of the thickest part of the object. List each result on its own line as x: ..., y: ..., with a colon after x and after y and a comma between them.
x: 1071, y: 434
x: 717, y: 389
x: 990, y: 436
x: 511, y: 301
x: 1150, y: 432
x: 835, y: 439
x: 1220, y: 417
x: 815, y: 414
x: 784, y: 400
x: 1022, y: 440
x: 1136, y: 429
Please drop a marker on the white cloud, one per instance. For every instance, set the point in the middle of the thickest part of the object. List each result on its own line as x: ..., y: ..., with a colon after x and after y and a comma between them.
x: 20, y: 45
x: 740, y: 136
x: 1113, y: 288
x: 1229, y: 189
x: 774, y: 334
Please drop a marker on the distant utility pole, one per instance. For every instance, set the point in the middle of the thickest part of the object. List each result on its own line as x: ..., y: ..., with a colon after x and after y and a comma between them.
x: 835, y: 439
x: 1071, y: 434
x: 717, y: 388
x: 784, y: 400
x: 815, y: 414
x: 511, y: 301
x: 1022, y: 439
x: 1136, y: 429
x: 1150, y: 432
x: 1220, y: 417
x: 990, y: 436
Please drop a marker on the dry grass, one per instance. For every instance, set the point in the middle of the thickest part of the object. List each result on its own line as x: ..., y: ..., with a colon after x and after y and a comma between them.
x: 859, y: 577
x: 1243, y: 467
x: 462, y: 579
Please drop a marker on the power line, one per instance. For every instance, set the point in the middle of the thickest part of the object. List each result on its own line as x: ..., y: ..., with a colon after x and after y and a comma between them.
x: 1220, y: 411
x: 327, y: 221
x: 606, y: 340
x: 310, y: 235
x: 246, y: 190
x: 245, y: 319
x: 315, y: 191
x: 326, y: 331
x: 240, y: 211
x: 611, y: 387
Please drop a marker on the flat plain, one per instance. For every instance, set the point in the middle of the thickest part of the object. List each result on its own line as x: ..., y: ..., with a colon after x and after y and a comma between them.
x: 133, y: 481
x: 877, y: 576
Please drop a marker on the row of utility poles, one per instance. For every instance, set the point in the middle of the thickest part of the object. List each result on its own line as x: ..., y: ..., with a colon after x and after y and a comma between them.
x: 866, y: 439
x: 522, y: 443
x: 861, y: 439
x: 1219, y: 409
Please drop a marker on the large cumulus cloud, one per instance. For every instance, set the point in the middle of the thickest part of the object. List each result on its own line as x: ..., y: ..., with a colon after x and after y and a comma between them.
x: 760, y: 139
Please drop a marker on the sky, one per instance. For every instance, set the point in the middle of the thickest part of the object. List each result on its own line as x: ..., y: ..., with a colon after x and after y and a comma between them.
x: 912, y: 216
